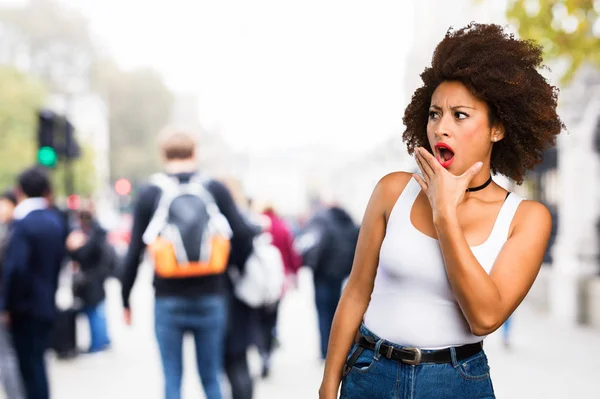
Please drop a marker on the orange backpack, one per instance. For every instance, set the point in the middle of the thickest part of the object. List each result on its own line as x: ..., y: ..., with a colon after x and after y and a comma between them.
x: 187, y: 235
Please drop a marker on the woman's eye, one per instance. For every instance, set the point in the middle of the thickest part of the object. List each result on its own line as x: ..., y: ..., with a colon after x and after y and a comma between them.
x: 433, y: 115
x: 460, y: 115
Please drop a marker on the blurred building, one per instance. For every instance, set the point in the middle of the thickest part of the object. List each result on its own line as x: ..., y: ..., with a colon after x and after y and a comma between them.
x: 574, y: 285
x: 88, y: 113
x: 353, y: 183
x: 291, y: 179
x: 215, y: 156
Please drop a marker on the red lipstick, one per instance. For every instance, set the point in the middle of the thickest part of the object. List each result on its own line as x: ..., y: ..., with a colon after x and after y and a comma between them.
x: 444, y: 154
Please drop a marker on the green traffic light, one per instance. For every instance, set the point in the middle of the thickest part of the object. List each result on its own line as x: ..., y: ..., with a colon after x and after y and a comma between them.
x: 47, y: 157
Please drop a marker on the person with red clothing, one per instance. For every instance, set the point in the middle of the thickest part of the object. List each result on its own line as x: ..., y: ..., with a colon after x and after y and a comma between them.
x: 283, y: 240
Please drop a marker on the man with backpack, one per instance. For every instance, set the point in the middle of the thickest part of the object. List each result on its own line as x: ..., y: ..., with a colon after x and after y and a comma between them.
x: 327, y: 246
x: 193, y: 231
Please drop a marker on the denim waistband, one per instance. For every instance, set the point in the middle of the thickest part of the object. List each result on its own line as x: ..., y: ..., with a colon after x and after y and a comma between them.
x: 368, y: 333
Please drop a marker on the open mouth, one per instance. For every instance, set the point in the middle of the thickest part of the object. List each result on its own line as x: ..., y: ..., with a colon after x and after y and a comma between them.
x: 444, y: 154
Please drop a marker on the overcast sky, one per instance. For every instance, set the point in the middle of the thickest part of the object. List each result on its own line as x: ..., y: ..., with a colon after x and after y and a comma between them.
x: 271, y: 74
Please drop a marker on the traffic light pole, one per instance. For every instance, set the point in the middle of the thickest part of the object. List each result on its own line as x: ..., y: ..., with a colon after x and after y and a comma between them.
x: 69, y: 189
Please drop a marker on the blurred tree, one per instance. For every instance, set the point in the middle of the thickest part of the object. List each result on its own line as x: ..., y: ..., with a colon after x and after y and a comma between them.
x: 20, y: 98
x: 140, y: 105
x: 49, y: 41
x: 568, y: 29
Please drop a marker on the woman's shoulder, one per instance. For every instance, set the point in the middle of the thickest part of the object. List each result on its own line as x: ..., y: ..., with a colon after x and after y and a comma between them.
x: 390, y: 187
x: 393, y: 184
x: 531, y: 213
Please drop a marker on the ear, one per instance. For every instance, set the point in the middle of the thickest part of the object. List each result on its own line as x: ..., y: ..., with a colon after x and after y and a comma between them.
x: 497, y: 133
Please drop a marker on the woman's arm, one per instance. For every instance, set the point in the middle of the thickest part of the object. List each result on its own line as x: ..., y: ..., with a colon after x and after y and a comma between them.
x: 488, y: 300
x: 357, y: 293
x: 485, y: 300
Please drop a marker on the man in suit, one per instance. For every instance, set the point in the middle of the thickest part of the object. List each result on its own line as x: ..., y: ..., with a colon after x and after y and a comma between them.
x: 32, y: 263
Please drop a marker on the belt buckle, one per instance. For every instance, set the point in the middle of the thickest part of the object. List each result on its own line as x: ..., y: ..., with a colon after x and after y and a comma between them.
x: 416, y: 352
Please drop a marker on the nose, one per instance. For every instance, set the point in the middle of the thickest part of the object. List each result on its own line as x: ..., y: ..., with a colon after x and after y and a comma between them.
x: 444, y: 127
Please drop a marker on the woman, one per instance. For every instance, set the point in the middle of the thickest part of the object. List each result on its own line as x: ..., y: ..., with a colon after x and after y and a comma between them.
x: 89, y: 248
x: 445, y: 257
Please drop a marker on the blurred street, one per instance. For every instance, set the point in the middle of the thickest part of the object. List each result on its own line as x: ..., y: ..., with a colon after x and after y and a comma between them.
x: 254, y: 137
x: 545, y: 361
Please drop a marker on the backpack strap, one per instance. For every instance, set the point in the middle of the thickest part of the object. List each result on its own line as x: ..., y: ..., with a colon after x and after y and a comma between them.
x: 197, y: 186
x: 218, y: 223
x: 170, y: 189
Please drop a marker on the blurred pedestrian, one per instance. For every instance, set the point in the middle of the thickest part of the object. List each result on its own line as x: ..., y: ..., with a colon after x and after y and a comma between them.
x: 89, y: 249
x: 506, y: 328
x: 242, y: 321
x: 194, y: 231
x: 9, y: 368
x: 446, y: 256
x: 34, y: 254
x: 327, y: 247
x: 267, y: 316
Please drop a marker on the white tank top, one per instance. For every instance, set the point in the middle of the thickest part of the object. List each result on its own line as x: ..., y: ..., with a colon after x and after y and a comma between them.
x: 412, y: 303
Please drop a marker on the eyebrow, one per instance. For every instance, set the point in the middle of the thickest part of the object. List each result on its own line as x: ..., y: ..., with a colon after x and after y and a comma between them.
x: 437, y: 107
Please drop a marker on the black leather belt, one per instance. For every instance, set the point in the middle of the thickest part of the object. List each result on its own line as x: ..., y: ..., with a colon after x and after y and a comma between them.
x: 416, y: 356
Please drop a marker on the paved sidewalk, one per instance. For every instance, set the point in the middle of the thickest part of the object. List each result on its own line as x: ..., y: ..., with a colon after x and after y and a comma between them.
x: 546, y: 361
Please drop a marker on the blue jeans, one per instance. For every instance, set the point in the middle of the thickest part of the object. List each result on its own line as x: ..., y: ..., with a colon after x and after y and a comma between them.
x: 98, y: 331
x: 375, y: 376
x: 327, y: 296
x: 10, y: 375
x: 205, y: 317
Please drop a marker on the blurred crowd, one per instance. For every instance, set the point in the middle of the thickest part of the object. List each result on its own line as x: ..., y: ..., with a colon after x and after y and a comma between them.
x: 221, y: 269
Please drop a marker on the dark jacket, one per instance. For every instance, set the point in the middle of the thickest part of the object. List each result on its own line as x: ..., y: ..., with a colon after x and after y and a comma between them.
x: 94, y: 267
x: 32, y: 262
x: 4, y: 240
x: 330, y: 241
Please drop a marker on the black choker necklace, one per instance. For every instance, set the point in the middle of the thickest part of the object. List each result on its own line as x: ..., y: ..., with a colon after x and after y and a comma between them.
x: 484, y: 185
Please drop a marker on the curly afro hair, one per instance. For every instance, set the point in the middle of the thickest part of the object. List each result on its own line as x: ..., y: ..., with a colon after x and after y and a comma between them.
x: 503, y: 72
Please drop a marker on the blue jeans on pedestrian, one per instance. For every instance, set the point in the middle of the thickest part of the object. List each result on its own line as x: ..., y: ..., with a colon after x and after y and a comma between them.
x: 375, y: 376
x: 327, y: 296
x: 10, y: 375
x: 203, y: 316
x: 98, y: 330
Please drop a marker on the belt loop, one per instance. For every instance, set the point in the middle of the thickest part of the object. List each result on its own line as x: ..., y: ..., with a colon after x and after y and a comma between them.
x: 453, y: 357
x: 377, y: 348
x: 389, y: 351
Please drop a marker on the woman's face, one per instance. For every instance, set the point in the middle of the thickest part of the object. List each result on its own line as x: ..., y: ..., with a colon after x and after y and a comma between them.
x: 6, y: 210
x: 458, y: 128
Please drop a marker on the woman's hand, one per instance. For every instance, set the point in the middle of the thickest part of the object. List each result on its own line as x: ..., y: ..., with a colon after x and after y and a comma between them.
x: 76, y: 240
x: 443, y: 189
